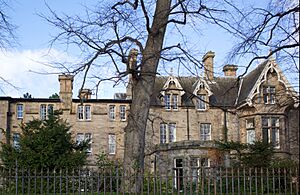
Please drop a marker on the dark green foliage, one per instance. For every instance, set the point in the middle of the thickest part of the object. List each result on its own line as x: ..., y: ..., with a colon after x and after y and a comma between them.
x: 258, y: 154
x: 27, y: 96
x: 45, y: 144
x: 54, y: 96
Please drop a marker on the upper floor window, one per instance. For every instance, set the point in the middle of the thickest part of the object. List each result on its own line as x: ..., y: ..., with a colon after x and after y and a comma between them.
x: 16, y: 140
x: 46, y: 110
x: 19, y: 111
x: 111, y: 143
x: 250, y: 128
x: 270, y: 130
x: 171, y: 101
x: 201, y: 105
x: 82, y: 137
x: 167, y: 133
x: 205, y: 131
x: 43, y: 111
x: 123, y: 112
x: 269, y: 94
x: 111, y: 113
x: 84, y: 112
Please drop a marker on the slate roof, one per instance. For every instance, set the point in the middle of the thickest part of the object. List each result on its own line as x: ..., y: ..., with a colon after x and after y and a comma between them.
x: 225, y: 89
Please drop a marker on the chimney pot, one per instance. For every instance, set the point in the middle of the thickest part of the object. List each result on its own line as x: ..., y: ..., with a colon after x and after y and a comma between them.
x: 230, y: 70
x: 85, y: 94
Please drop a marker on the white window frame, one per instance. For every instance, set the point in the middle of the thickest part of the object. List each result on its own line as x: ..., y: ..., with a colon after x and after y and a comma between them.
x: 16, y: 140
x: 203, y: 135
x: 123, y: 112
x: 112, y: 146
x: 270, y: 127
x: 50, y: 109
x: 250, y: 128
x: 87, y: 112
x: 167, y: 99
x: 175, y: 101
x: 43, y: 111
x: 201, y: 104
x: 20, y: 111
x: 88, y: 136
x: 269, y: 93
x: 80, y: 111
x: 167, y: 133
x: 112, y: 112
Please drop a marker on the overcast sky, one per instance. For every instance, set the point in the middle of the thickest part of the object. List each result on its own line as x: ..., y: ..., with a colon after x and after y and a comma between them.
x: 20, y: 65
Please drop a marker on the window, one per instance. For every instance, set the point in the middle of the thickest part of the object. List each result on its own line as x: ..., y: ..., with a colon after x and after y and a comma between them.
x: 87, y: 112
x: 84, y: 112
x: 16, y: 140
x: 43, y: 111
x: 201, y: 105
x: 46, y: 110
x: 19, y: 111
x: 123, y: 112
x: 171, y: 101
x: 250, y: 130
x: 168, y: 102
x: 270, y: 130
x: 194, y: 166
x: 111, y: 143
x: 269, y: 94
x: 167, y: 133
x: 205, y: 131
x: 175, y: 102
x: 81, y: 137
x: 111, y: 113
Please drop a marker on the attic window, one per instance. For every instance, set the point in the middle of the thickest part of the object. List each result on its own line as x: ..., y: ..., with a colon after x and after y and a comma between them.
x: 201, y: 99
x: 269, y: 94
x: 171, y: 101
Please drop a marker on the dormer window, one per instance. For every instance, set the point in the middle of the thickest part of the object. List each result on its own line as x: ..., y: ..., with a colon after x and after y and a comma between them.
x: 269, y: 94
x: 171, y: 101
x: 201, y: 102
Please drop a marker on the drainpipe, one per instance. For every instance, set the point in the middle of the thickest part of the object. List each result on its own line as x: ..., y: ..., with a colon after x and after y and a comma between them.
x: 8, y: 129
x: 188, y: 123
x: 226, y: 157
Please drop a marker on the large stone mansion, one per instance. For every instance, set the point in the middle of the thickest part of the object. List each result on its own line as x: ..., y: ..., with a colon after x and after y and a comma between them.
x: 187, y: 114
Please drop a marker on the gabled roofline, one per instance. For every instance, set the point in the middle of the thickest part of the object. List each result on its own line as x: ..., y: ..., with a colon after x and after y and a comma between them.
x: 177, y: 84
x: 206, y: 87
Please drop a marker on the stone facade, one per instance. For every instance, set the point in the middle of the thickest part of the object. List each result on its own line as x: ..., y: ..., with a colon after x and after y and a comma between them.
x: 186, y: 115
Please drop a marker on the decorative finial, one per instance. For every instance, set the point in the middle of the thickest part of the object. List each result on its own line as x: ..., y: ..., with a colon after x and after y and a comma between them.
x: 270, y: 54
x: 171, y: 72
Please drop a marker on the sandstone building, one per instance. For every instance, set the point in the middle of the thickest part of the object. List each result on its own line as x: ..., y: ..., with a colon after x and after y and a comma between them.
x: 187, y: 114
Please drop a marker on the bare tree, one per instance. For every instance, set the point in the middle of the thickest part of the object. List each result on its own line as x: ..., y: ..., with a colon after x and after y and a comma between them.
x: 7, y: 33
x: 106, y: 34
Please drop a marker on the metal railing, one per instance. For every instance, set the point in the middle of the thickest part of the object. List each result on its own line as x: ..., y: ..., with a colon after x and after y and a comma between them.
x: 93, y: 180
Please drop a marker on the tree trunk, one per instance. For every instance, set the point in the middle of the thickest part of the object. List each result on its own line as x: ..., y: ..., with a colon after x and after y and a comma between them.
x: 142, y: 88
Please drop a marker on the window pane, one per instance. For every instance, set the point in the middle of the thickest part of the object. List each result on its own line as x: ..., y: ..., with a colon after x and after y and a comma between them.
x: 87, y: 112
x: 201, y: 102
x: 175, y: 101
x: 50, y: 109
x: 79, y: 138
x: 19, y: 110
x: 88, y: 137
x: 172, y: 132
x: 265, y: 121
x: 111, y: 143
x: 80, y: 112
x: 122, y: 112
x: 167, y: 102
x: 205, y: 131
x: 16, y: 140
x: 265, y: 132
x: 43, y: 111
x: 250, y: 136
x: 112, y: 112
x: 163, y: 133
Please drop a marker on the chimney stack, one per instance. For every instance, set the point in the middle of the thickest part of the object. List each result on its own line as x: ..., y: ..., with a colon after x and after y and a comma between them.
x: 132, y: 61
x: 208, y: 60
x: 230, y: 70
x: 65, y: 92
x: 85, y: 94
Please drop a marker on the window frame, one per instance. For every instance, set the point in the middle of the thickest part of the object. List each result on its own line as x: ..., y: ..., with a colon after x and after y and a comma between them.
x: 112, y: 144
x: 269, y: 94
x: 20, y: 112
x: 203, y: 134
x: 87, y: 113
x: 43, y: 111
x: 201, y: 102
x: 112, y: 112
x: 123, y: 112
x: 268, y: 128
x: 250, y: 129
x: 16, y: 140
